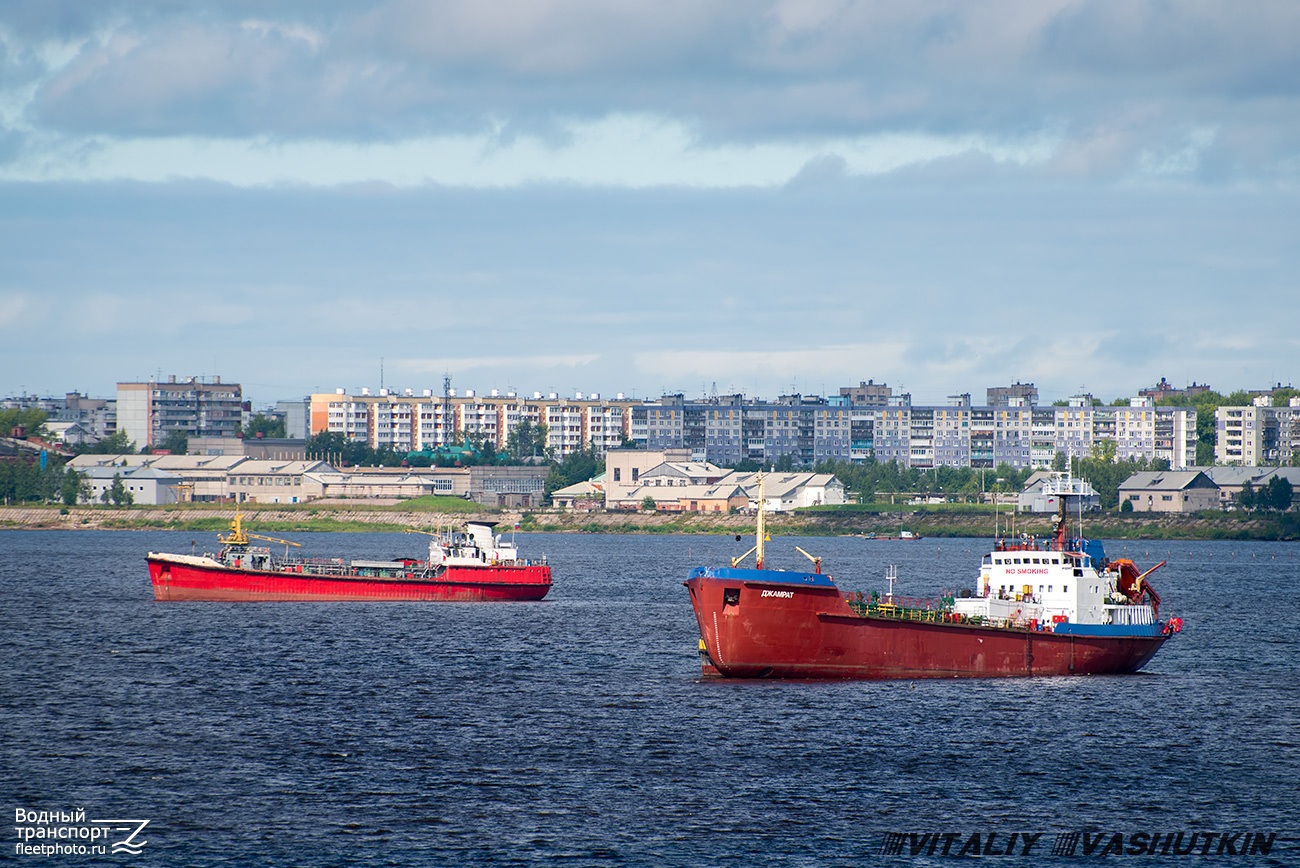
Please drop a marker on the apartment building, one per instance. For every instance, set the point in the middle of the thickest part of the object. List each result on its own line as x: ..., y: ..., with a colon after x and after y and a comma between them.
x: 96, y: 417
x: 1258, y: 435
x: 405, y: 421
x: 147, y: 412
x: 726, y: 430
x: 729, y: 429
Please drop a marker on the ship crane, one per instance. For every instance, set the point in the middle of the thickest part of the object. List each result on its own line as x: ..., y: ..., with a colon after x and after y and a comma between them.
x: 1133, y: 585
x: 239, y: 537
x: 817, y: 561
x: 275, y: 540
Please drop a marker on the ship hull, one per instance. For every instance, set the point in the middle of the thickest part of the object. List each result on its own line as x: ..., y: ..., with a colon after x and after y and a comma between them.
x: 752, y: 628
x: 177, y: 579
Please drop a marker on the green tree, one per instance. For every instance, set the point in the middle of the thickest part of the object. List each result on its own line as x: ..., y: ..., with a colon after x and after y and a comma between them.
x: 177, y: 442
x: 326, y: 446
x: 386, y: 456
x: 483, y: 450
x: 1279, y: 494
x: 118, y: 493
x: 265, y: 426
x: 71, y: 487
x: 1105, y: 450
x: 333, y: 447
x: 18, y: 482
x: 116, y: 443
x: 30, y: 419
x: 1246, y: 500
x: 576, y: 467
x: 527, y: 441
x: 1107, y: 476
x: 648, y: 503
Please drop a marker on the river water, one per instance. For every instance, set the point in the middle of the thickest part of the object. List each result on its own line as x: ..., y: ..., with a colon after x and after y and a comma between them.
x: 578, y: 731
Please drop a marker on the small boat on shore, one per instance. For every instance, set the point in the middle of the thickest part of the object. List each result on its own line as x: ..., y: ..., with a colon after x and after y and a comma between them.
x: 1051, y: 607
x: 472, y: 564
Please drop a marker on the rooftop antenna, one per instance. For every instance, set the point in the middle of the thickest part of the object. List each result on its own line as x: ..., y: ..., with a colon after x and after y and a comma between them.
x: 381, y: 373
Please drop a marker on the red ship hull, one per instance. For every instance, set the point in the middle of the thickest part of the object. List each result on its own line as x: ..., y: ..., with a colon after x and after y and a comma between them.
x: 176, y: 580
x: 812, y: 632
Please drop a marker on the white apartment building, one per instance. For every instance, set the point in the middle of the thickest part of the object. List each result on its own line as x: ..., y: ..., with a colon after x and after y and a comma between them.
x: 1258, y: 435
x: 406, y: 422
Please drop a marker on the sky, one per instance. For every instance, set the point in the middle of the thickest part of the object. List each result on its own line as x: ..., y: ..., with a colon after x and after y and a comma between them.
x: 689, y: 196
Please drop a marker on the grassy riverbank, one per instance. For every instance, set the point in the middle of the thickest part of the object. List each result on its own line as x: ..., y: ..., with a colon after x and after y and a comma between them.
x: 931, y: 521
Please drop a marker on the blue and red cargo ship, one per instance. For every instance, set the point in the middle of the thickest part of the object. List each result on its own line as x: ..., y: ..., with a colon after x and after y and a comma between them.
x: 1055, y: 607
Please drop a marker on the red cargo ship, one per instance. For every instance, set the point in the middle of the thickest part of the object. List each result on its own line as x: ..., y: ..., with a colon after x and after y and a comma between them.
x: 469, y: 565
x: 1052, y: 608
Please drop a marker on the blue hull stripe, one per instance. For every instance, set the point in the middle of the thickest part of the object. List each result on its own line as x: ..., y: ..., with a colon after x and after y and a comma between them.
x: 1109, y: 630
x: 768, y: 577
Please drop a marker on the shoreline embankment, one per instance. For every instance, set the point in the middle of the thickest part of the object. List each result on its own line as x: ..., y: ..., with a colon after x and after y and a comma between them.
x: 304, y: 518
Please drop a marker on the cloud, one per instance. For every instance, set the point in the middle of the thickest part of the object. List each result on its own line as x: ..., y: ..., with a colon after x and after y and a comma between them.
x: 827, y: 169
x: 634, y: 253
x: 687, y: 366
x: 1118, y: 89
x: 12, y: 309
x: 436, y: 366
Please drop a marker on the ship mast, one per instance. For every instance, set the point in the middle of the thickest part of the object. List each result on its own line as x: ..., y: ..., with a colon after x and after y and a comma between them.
x: 761, y: 534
